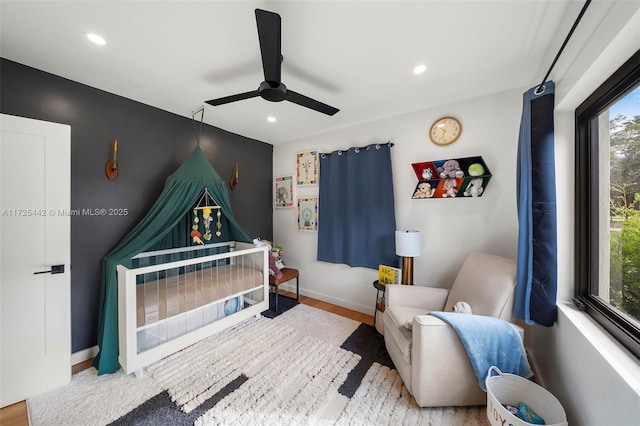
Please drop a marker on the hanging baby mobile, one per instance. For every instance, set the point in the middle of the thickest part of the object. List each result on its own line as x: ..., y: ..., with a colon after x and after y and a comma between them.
x: 207, y: 205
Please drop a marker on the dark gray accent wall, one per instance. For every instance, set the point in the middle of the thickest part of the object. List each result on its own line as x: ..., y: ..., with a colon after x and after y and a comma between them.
x: 152, y: 144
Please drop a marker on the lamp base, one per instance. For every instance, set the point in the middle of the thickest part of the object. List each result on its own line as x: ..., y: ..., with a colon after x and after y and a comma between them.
x: 407, y: 270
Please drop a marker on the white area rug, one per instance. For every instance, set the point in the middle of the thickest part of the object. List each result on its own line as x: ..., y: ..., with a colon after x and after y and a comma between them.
x: 289, y: 370
x: 91, y: 399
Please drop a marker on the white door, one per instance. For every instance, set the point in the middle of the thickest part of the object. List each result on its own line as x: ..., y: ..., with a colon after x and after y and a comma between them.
x: 35, y: 233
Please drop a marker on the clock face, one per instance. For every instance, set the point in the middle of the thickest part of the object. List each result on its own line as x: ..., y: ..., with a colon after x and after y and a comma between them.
x: 445, y: 130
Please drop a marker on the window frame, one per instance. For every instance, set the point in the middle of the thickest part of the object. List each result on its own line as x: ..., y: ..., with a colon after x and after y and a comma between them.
x: 586, y: 204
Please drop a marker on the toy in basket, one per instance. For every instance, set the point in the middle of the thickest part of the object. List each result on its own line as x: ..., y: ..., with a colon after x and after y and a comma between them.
x: 506, y: 389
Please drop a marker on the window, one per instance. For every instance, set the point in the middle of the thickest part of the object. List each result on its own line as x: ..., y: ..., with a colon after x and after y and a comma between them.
x: 607, y: 250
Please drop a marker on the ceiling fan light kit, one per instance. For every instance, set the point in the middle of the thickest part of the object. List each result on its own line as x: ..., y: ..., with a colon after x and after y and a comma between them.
x: 272, y: 89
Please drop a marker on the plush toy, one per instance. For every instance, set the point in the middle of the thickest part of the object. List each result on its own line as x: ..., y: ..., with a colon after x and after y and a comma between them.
x: 273, y: 267
x: 278, y: 256
x: 474, y: 189
x: 450, y: 189
x: 476, y: 169
x: 426, y: 174
x: 462, y: 308
x: 424, y: 190
x: 450, y: 169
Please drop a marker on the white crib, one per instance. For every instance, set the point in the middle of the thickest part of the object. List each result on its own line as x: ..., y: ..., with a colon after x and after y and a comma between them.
x: 171, y: 299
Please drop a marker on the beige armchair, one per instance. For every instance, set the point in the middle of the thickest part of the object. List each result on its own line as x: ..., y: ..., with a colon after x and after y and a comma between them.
x: 430, y: 358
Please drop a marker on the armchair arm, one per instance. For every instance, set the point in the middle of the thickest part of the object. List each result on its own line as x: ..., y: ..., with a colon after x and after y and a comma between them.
x: 439, y: 361
x: 414, y: 296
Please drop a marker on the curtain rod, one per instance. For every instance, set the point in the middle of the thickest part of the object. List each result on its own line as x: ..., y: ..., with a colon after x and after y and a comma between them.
x: 540, y: 88
x: 358, y: 148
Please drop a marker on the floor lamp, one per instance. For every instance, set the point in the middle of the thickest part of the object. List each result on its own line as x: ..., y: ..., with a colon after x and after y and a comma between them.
x: 407, y: 247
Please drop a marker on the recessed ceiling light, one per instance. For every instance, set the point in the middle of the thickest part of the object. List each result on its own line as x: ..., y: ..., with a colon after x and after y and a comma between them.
x: 95, y: 38
x: 271, y: 119
x: 419, y: 69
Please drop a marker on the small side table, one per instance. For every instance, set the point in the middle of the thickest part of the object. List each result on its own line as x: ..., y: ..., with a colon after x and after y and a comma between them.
x: 287, y: 275
x: 378, y: 308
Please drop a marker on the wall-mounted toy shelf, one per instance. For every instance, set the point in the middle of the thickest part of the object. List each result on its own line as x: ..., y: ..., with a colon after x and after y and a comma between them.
x: 453, y: 178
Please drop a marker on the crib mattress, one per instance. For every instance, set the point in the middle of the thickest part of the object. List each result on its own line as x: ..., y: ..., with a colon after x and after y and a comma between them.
x: 166, y: 297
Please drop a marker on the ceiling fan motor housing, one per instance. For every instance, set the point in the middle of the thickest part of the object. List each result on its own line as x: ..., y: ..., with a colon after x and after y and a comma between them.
x: 273, y: 91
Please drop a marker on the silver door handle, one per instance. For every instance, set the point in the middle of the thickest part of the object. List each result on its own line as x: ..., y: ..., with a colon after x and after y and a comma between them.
x: 55, y: 269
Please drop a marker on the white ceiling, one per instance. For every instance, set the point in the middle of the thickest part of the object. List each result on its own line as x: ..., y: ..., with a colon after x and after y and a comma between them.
x: 355, y: 55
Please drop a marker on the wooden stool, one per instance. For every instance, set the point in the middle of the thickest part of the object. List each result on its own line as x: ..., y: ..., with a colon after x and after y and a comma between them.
x: 287, y: 275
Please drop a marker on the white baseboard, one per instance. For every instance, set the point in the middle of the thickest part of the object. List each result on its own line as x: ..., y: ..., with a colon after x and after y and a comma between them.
x: 84, y: 355
x: 340, y: 302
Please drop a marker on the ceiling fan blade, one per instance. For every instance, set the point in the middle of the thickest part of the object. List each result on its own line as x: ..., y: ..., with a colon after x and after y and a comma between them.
x: 233, y: 98
x: 269, y: 31
x: 299, y: 99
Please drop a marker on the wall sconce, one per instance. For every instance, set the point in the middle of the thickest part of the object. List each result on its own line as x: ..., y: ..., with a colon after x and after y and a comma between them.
x: 233, y: 182
x: 111, y: 169
x: 407, y: 246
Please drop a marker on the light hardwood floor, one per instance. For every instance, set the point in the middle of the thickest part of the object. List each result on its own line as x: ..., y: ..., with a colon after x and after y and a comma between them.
x: 16, y: 414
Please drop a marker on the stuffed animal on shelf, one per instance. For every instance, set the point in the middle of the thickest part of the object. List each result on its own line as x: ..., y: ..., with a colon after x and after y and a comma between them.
x: 424, y: 190
x: 476, y: 169
x: 474, y: 189
x: 450, y: 189
x: 450, y: 169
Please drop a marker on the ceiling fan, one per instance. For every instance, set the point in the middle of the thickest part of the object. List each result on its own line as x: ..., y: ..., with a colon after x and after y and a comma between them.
x: 272, y: 89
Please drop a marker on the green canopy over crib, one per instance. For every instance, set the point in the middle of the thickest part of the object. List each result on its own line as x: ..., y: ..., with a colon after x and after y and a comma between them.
x: 166, y: 225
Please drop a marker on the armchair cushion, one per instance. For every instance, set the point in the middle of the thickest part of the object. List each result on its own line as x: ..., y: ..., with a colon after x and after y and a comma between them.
x: 487, y: 283
x: 425, y: 298
x: 398, y: 317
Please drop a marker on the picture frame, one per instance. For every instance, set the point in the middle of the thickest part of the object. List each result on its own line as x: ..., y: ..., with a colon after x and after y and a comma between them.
x: 283, y: 191
x: 307, y: 214
x: 307, y: 167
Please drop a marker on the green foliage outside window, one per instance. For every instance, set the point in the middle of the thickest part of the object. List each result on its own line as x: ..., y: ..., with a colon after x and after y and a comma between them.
x: 625, y: 215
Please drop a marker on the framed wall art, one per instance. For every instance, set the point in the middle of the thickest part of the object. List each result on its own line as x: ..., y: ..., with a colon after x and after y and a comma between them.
x: 307, y: 167
x: 283, y: 192
x: 308, y: 214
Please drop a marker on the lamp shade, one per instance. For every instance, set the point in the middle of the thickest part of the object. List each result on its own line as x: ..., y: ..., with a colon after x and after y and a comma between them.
x: 408, y: 243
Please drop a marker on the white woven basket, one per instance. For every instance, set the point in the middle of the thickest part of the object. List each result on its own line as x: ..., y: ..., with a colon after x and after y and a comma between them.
x: 512, y: 390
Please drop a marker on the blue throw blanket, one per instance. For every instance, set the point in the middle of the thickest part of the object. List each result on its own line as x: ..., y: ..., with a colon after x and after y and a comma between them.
x: 489, y: 341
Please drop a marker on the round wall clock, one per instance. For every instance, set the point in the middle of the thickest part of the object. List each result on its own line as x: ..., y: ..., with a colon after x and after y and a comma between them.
x: 445, y: 130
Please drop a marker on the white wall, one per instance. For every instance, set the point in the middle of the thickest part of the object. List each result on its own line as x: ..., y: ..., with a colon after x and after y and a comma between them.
x: 596, y: 379
x: 450, y: 228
